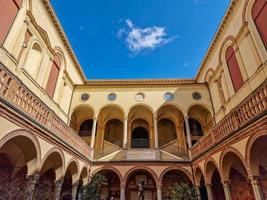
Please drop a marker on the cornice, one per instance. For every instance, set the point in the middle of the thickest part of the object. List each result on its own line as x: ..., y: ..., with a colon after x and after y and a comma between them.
x: 138, y: 82
x: 217, y: 36
x: 63, y: 37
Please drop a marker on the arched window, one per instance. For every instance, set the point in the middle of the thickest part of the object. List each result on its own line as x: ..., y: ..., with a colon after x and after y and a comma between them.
x: 52, y: 80
x: 8, y: 12
x: 259, y: 15
x: 33, y: 59
x: 234, y: 69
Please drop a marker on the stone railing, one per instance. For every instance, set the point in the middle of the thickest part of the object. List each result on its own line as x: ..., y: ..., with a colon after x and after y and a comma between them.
x: 15, y: 92
x: 252, y: 106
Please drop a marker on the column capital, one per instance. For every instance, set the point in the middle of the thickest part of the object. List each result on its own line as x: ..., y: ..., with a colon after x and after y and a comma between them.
x: 122, y: 185
x: 186, y: 117
x: 33, y: 178
x: 125, y: 118
x: 159, y: 186
x: 95, y: 118
x: 155, y: 117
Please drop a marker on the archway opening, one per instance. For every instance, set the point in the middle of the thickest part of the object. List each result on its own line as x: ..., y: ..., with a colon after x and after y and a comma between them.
x: 196, y: 130
x: 234, y: 170
x: 82, y: 122
x: 140, y: 138
x: 111, y: 189
x: 217, y: 187
x: 200, y: 182
x: 136, y: 178
x: 258, y: 162
x: 171, y: 178
x: 114, y: 132
x: 14, y: 156
x: 167, y: 131
x: 69, y: 179
x: 45, y: 187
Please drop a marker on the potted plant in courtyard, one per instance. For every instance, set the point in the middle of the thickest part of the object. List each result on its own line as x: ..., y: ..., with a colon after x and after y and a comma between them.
x: 182, y: 191
x: 92, y: 191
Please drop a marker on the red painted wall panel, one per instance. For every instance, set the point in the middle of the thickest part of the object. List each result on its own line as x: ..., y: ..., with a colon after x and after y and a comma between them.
x: 8, y: 12
x: 259, y: 14
x: 52, y: 80
x: 234, y: 69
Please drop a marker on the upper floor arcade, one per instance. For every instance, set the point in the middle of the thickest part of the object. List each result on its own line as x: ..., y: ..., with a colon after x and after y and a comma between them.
x: 139, y: 122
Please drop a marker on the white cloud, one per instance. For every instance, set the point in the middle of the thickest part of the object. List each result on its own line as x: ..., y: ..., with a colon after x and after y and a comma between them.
x: 81, y: 28
x: 186, y: 64
x: 138, y: 39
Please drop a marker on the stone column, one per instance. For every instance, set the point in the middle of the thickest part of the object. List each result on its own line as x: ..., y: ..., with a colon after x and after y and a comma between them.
x: 31, y: 182
x: 58, y: 186
x: 188, y: 136
x: 122, y: 192
x: 227, y: 191
x: 125, y: 133
x: 209, y: 191
x: 74, y: 191
x: 156, y: 133
x: 92, y: 144
x: 198, y: 194
x: 159, y: 192
x: 256, y: 185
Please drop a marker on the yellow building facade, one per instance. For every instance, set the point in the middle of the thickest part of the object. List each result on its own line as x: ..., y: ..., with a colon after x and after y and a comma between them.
x: 58, y: 129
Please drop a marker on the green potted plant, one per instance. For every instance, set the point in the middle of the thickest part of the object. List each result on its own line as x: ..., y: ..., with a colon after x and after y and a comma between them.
x: 182, y: 191
x: 93, y: 189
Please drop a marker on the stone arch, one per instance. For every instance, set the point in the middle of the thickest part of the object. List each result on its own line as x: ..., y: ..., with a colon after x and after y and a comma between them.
x: 209, y: 74
x: 112, y: 185
x: 110, y: 168
x: 251, y: 162
x: 73, y: 166
x: 33, y: 163
x: 225, y: 169
x: 184, y: 171
x: 210, y: 166
x: 111, y: 105
x: 198, y: 174
x: 84, y: 174
x: 57, y: 160
x: 58, y: 50
x: 19, y: 158
x: 51, y: 171
x: 141, y: 105
x: 205, y: 117
x: 173, y: 104
x: 141, y: 168
x: 235, y: 171
x: 79, y: 114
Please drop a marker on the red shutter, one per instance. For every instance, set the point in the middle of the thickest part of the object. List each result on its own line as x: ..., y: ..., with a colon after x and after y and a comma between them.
x: 52, y: 80
x: 234, y: 69
x: 259, y: 14
x: 8, y: 12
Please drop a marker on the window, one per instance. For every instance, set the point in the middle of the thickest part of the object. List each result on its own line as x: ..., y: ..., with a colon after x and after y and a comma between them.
x: 234, y: 69
x: 33, y: 60
x: 52, y: 80
x: 8, y: 12
x: 259, y: 13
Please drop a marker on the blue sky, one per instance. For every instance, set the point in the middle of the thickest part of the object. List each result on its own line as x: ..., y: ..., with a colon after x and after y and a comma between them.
x: 129, y: 39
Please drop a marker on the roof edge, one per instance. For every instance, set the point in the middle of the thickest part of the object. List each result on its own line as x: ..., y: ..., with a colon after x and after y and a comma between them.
x: 64, y: 37
x: 216, y: 37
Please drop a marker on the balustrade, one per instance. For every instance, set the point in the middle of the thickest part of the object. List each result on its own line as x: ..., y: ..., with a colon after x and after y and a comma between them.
x: 252, y: 106
x: 14, y: 91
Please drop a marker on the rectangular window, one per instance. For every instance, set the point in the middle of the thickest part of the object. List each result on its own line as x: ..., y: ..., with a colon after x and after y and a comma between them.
x: 52, y: 80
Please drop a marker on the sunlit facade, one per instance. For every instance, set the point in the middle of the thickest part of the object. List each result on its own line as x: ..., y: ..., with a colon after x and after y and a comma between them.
x: 57, y: 129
